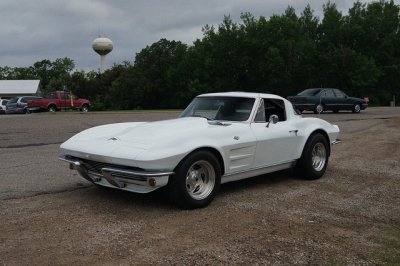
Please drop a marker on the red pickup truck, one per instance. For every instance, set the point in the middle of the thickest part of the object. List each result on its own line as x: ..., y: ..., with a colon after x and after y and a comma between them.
x: 59, y: 100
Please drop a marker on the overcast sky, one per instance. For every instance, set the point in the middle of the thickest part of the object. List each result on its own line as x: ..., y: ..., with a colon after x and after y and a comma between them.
x: 33, y: 30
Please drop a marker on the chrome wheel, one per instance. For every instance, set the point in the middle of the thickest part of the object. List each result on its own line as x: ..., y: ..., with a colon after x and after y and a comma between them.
x: 196, y: 180
x: 52, y: 108
x: 85, y: 109
x: 200, y: 180
x: 314, y: 159
x: 318, y: 157
x: 356, y: 108
x: 319, y: 108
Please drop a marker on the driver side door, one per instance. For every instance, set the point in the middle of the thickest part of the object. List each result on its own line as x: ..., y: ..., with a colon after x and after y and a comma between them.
x: 276, y: 143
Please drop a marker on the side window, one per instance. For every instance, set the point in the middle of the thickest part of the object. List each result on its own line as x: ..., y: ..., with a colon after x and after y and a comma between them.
x: 270, y: 107
x: 51, y: 95
x: 275, y: 107
x: 328, y: 93
x: 23, y: 100
x: 260, y: 116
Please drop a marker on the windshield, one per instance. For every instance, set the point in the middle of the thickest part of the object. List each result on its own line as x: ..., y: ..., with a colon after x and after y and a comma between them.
x: 220, y: 108
x: 309, y: 92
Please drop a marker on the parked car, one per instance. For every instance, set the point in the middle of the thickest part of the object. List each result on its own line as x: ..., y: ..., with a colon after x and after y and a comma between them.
x: 58, y: 100
x: 3, y: 103
x: 219, y: 138
x: 19, y: 105
x: 323, y: 99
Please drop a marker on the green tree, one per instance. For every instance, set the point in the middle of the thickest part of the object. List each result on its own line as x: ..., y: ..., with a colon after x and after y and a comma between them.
x: 157, y: 74
x: 283, y: 54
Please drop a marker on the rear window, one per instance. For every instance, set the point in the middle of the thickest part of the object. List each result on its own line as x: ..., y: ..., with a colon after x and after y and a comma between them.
x: 51, y: 95
x: 339, y: 93
x: 13, y: 100
x: 309, y: 92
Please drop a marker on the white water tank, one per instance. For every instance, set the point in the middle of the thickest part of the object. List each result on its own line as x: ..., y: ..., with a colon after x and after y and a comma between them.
x: 102, y: 46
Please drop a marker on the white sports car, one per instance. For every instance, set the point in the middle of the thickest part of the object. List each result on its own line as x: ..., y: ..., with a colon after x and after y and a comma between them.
x: 219, y: 138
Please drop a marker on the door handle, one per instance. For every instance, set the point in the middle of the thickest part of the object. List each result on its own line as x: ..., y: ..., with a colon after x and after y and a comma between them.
x: 294, y: 131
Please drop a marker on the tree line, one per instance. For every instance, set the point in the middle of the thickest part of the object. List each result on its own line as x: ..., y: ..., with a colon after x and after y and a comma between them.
x: 358, y: 52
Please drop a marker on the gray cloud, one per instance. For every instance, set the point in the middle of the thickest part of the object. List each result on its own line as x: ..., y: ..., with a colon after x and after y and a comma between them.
x: 48, y: 29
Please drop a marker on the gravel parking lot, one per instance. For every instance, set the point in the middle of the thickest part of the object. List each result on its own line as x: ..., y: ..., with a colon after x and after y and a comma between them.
x: 49, y: 215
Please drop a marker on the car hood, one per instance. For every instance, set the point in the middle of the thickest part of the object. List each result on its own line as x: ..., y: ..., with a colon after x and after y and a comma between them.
x: 150, y: 134
x: 130, y: 139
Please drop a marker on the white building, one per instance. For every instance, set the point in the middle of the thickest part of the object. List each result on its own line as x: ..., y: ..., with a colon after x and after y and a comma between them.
x: 13, y: 88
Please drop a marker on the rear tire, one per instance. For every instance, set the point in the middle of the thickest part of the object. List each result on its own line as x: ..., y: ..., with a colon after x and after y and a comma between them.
x: 52, y: 108
x: 314, y: 159
x: 319, y: 108
x: 196, y: 180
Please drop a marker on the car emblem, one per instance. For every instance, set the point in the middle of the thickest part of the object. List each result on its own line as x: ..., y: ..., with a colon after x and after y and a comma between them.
x: 113, y: 139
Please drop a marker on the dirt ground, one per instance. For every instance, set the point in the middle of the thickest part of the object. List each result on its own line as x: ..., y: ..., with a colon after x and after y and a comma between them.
x: 351, y: 216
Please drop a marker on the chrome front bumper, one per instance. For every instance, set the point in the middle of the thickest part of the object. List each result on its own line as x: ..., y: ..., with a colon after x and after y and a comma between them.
x: 120, y: 177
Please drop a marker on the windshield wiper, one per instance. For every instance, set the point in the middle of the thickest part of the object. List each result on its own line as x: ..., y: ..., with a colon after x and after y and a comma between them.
x: 215, y: 122
x: 212, y: 121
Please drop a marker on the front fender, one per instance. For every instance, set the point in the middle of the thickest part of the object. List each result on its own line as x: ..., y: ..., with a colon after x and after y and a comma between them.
x: 235, y: 145
x: 167, y: 157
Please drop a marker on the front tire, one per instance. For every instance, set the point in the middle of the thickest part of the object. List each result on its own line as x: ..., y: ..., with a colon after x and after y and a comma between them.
x: 356, y: 108
x: 314, y: 159
x: 196, y: 180
x: 85, y: 108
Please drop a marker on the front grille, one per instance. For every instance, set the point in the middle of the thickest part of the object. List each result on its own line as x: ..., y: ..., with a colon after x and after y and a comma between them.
x: 118, y: 176
x: 95, y: 167
x: 126, y: 176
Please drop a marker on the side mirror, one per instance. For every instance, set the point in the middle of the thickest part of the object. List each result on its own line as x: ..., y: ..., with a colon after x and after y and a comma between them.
x: 274, y: 119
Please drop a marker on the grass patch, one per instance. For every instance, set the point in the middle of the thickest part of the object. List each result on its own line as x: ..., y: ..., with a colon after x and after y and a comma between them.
x: 390, y: 241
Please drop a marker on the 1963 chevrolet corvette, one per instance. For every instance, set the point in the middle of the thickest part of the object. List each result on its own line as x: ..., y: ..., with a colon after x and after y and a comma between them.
x: 218, y: 138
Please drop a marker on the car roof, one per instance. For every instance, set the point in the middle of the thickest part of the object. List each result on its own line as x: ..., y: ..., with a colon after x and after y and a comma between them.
x: 242, y: 94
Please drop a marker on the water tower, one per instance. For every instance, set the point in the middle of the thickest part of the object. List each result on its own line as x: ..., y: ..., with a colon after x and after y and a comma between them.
x: 102, y: 46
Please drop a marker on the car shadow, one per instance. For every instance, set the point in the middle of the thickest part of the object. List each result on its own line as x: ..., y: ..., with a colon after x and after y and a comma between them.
x: 265, y: 180
x: 159, y: 200
x: 344, y: 112
x: 153, y: 200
